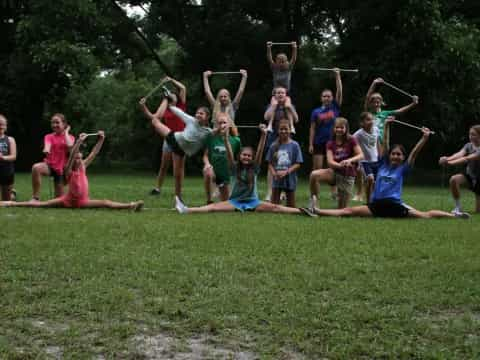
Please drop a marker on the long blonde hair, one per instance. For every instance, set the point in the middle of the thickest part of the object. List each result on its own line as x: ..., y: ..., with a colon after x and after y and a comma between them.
x: 217, y: 109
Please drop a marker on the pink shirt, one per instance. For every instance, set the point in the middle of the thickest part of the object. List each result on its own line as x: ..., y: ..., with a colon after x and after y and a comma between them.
x: 57, y: 158
x: 77, y: 194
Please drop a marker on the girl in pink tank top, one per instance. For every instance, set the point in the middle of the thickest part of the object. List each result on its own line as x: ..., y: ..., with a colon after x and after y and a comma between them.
x: 75, y: 172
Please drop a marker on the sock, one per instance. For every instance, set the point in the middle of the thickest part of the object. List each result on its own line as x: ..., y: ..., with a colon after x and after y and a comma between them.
x: 457, y: 204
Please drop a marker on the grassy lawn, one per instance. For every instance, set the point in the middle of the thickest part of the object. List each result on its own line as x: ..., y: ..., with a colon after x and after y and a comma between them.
x: 117, y: 284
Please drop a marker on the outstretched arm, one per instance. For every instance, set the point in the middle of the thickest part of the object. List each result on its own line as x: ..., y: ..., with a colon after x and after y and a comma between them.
x: 261, y: 145
x: 269, y: 54
x: 419, y: 146
x: 407, y: 107
x: 96, y: 149
x: 446, y: 160
x: 370, y: 91
x: 241, y: 87
x: 206, y: 87
x: 73, y: 153
x: 182, y: 90
x: 338, y: 81
x: 293, y: 60
x: 68, y: 139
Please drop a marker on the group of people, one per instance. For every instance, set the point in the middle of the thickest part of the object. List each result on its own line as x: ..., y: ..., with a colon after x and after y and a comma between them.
x: 339, y: 158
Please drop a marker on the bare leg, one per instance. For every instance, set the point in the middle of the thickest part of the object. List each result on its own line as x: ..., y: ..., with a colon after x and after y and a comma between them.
x: 269, y: 184
x: 291, y: 202
x: 178, y: 172
x: 360, y: 185
x: 429, y: 214
x: 455, y: 182
x: 356, y: 211
x: 369, y: 187
x: 58, y: 188
x: 160, y: 128
x: 224, y: 192
x: 317, y: 162
x: 223, y: 206
x: 325, y: 175
x: 208, y: 178
x: 110, y: 204
x: 275, y: 196
x: 7, y: 192
x: 343, y: 199
x: 35, y: 204
x: 164, y: 166
x: 477, y: 203
x: 274, y: 208
x: 38, y: 170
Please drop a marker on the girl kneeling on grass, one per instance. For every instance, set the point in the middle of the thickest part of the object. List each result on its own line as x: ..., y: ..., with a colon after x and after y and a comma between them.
x: 244, y: 195
x: 75, y: 173
x: 386, y: 199
x: 343, y: 152
x: 469, y: 155
x: 284, y: 159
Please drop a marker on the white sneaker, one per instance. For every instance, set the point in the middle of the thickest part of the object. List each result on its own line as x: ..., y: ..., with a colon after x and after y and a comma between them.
x: 312, y: 203
x: 462, y: 215
x: 180, y: 206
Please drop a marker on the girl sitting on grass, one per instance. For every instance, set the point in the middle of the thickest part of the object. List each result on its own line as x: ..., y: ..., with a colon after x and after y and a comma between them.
x: 386, y: 199
x: 469, y: 155
x: 75, y: 173
x: 244, y: 195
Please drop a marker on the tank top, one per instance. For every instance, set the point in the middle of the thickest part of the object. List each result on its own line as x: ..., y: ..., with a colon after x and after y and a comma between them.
x: 6, y: 167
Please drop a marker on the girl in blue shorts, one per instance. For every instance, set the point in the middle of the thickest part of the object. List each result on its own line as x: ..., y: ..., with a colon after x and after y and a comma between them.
x: 386, y: 199
x: 244, y: 195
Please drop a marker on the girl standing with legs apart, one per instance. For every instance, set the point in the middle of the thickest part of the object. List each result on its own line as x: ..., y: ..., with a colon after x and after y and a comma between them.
x: 285, y: 158
x: 179, y: 99
x: 386, y: 199
x: 8, y: 155
x: 343, y: 153
x: 469, y: 155
x: 223, y: 103
x: 56, y: 148
x: 75, y: 173
x: 244, y: 195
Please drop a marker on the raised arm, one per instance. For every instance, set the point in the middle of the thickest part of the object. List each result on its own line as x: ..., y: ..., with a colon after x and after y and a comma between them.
x: 225, y: 131
x: 74, y: 152
x: 143, y: 106
x: 293, y: 60
x: 338, y: 81
x: 419, y: 146
x: 95, y: 150
x: 241, y: 87
x: 182, y: 90
x: 261, y: 145
x: 370, y: 91
x: 408, y: 107
x: 13, y: 151
x: 206, y: 87
x: 269, y: 54
x: 69, y: 140
x: 161, y: 109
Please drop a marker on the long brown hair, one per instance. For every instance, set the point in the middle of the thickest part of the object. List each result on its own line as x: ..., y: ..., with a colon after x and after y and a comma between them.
x: 342, y: 121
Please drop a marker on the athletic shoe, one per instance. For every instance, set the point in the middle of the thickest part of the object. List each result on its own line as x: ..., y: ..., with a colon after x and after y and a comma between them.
x: 155, y: 191
x: 13, y: 196
x: 180, y: 206
x: 462, y: 215
x: 312, y: 203
x: 456, y: 211
x: 308, y: 212
x: 267, y: 199
x: 283, y: 196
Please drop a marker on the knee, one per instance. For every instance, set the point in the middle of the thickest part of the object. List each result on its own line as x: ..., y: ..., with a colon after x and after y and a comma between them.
x: 454, y: 180
x: 36, y: 168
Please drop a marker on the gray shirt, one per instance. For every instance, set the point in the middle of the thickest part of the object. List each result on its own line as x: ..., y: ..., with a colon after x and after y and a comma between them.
x: 282, y: 77
x: 368, y: 143
x: 282, y: 157
x: 473, y: 166
x: 193, y: 138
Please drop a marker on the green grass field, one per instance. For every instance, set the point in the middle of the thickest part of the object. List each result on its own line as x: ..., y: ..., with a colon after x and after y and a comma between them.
x: 116, y: 284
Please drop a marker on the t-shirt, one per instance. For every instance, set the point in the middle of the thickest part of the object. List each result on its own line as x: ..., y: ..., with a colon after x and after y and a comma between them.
x: 6, y: 167
x: 57, y: 158
x: 380, y: 118
x: 283, y: 157
x: 324, y: 118
x: 172, y: 121
x: 217, y: 154
x: 193, y: 137
x: 241, y: 191
x: 389, y: 181
x: 473, y: 166
x: 343, y: 152
x: 368, y: 143
x: 77, y: 187
x: 282, y: 77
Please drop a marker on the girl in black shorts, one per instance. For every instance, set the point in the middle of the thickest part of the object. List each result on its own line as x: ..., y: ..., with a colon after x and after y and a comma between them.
x: 8, y: 155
